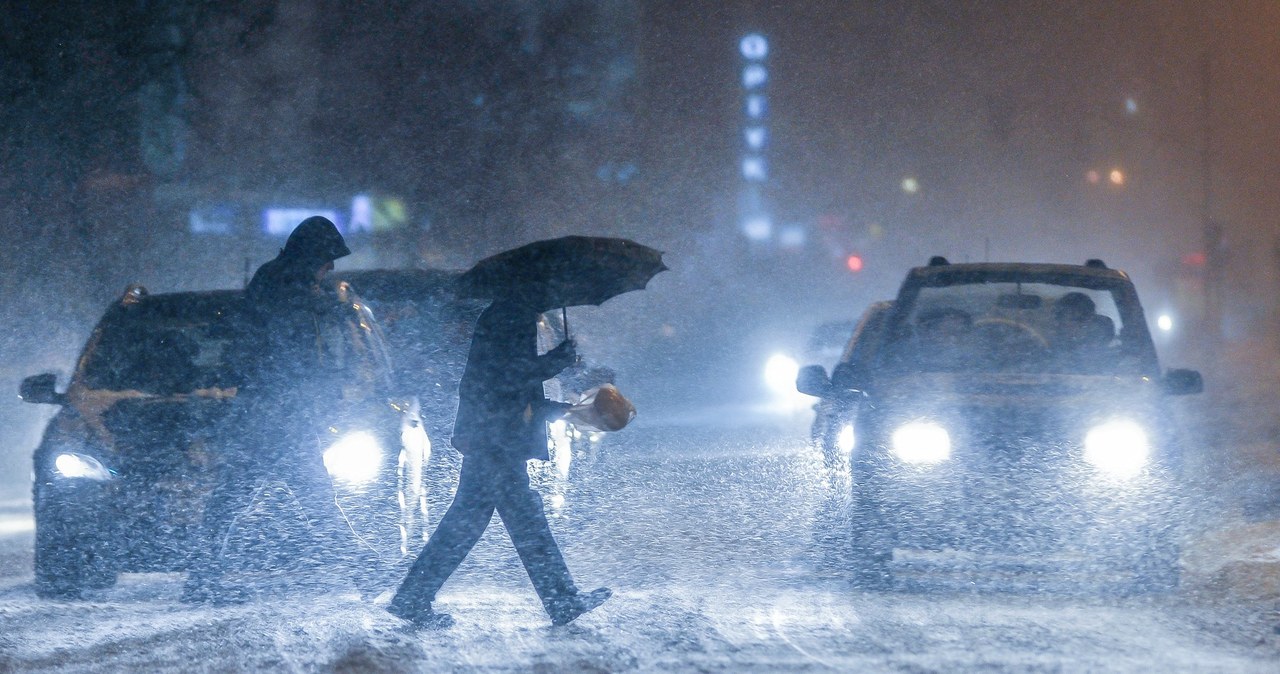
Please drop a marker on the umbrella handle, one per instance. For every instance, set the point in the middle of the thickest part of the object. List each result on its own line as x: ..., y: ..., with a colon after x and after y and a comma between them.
x: 564, y: 316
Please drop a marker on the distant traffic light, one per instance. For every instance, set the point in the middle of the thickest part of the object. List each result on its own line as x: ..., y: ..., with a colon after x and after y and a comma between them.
x: 853, y: 262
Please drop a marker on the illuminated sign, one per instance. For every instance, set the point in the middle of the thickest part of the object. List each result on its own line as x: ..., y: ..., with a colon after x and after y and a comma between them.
x: 281, y: 221
x: 758, y: 228
x: 753, y: 210
x: 361, y: 214
x: 218, y: 219
x: 753, y: 47
x: 376, y: 214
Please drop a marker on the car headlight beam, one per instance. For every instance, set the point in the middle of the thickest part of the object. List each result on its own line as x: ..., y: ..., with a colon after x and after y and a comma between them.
x: 845, y: 439
x: 921, y: 443
x: 1117, y: 448
x: 780, y: 373
x: 354, y: 459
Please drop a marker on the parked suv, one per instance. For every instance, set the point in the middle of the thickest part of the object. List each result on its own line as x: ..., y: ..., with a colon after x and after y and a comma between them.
x: 832, y: 431
x: 123, y: 469
x: 1008, y: 422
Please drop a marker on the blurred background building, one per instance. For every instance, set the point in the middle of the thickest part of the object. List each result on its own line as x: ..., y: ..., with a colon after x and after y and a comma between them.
x: 174, y: 143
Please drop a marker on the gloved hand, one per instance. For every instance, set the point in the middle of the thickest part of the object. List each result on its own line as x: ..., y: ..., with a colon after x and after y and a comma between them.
x: 565, y: 354
x: 551, y: 410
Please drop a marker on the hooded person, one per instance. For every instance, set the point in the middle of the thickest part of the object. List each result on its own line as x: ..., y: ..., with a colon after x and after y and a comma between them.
x: 500, y: 426
x: 272, y: 431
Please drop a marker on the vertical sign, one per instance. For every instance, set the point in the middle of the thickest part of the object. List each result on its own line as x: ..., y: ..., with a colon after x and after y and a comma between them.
x: 754, y: 217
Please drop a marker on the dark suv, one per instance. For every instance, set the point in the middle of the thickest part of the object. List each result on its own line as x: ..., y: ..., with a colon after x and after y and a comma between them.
x: 1007, y: 422
x: 124, y: 468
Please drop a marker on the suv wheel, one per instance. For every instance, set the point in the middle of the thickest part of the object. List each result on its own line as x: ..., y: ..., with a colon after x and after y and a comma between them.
x: 869, y: 557
x: 69, y: 558
x: 871, y: 540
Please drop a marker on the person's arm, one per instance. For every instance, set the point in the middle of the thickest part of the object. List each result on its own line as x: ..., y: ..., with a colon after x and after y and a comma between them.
x: 556, y: 360
x: 524, y: 368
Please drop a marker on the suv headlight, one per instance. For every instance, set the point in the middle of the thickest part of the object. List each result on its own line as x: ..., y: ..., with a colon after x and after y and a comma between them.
x: 355, y: 458
x: 1118, y: 448
x: 921, y: 443
x: 72, y: 465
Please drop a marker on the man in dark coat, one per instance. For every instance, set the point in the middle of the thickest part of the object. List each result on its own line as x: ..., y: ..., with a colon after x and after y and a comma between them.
x: 499, y: 427
x: 277, y: 415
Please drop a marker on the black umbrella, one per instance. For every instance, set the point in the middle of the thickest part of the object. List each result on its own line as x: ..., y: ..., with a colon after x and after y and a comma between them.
x: 564, y: 272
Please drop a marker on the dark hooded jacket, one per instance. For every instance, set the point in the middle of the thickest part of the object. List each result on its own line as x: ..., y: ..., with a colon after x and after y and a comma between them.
x: 280, y: 343
x: 501, y: 406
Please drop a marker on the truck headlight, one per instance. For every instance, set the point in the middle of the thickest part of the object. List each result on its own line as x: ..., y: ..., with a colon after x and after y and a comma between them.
x: 921, y: 443
x: 355, y: 458
x: 80, y: 466
x: 1118, y: 448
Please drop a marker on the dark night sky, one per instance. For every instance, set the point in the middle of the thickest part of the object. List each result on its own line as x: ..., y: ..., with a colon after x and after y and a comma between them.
x: 1000, y: 110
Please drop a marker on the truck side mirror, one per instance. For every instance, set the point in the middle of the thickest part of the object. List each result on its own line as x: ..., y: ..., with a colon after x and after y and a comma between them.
x: 1182, y: 382
x: 812, y: 380
x: 40, y: 389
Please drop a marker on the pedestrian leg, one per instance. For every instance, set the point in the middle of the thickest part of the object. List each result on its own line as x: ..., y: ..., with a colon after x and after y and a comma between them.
x: 459, y: 530
x: 522, y: 513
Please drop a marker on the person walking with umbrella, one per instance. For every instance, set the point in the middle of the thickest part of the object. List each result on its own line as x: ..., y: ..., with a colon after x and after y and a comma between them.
x: 501, y: 424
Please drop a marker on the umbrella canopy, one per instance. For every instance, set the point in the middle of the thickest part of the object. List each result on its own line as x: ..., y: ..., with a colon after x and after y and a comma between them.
x: 564, y: 272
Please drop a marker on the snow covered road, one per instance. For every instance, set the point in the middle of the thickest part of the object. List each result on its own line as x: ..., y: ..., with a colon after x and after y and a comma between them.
x: 713, y: 546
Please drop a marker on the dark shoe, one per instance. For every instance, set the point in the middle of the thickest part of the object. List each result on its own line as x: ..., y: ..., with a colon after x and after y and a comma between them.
x: 420, y: 619
x: 567, y: 609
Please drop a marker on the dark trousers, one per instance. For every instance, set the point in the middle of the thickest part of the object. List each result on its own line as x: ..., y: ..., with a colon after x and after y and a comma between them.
x: 266, y: 453
x: 487, y: 484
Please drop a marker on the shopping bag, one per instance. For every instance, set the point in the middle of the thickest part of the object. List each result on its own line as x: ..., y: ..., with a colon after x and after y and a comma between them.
x: 603, y: 409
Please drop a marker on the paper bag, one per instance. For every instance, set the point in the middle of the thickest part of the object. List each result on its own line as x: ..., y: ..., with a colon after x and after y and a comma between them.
x: 603, y: 409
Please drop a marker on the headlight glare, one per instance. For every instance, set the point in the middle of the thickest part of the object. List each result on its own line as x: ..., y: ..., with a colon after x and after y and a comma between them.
x: 1118, y: 448
x: 921, y: 443
x: 80, y: 466
x: 354, y: 459
x: 845, y: 438
x: 780, y: 373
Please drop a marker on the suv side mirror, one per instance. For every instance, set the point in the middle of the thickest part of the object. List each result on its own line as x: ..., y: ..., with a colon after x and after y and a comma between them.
x: 40, y: 389
x: 1182, y: 382
x: 812, y: 380
x: 847, y: 376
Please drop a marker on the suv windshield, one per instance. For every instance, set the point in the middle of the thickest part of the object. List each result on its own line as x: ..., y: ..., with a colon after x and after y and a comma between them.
x: 162, y: 358
x: 1014, y: 326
